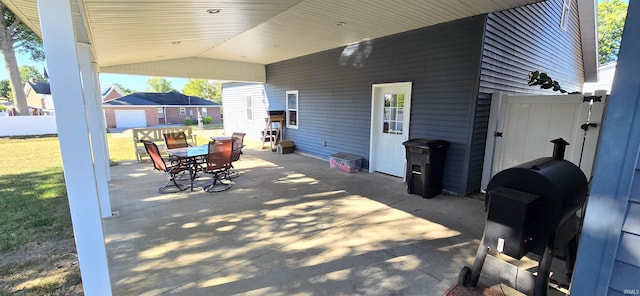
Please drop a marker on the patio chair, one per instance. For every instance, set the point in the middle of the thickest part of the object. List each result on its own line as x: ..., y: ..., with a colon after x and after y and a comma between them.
x: 160, y: 165
x: 238, y: 144
x: 176, y: 140
x: 218, y: 164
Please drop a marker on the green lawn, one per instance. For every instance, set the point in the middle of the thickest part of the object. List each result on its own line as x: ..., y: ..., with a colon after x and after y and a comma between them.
x: 33, y: 200
x: 37, y: 249
x: 36, y: 236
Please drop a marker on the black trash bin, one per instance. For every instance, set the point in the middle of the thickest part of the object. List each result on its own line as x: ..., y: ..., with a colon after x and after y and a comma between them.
x: 425, y: 166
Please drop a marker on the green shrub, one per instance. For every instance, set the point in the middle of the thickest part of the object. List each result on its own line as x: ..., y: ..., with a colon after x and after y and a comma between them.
x: 3, y: 108
x: 207, y: 120
x: 187, y: 121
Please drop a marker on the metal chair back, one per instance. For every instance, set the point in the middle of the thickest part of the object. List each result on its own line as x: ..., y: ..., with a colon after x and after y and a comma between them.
x: 176, y: 140
x: 219, y: 156
x: 238, y: 143
x: 154, y: 154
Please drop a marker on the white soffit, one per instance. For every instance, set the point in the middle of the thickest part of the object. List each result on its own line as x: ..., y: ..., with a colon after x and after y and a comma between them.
x: 249, y: 31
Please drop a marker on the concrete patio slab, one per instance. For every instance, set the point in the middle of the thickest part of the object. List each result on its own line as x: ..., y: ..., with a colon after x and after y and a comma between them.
x: 289, y: 225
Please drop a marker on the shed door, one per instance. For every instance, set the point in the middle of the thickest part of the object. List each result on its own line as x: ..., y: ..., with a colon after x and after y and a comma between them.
x: 130, y: 118
x: 390, y: 111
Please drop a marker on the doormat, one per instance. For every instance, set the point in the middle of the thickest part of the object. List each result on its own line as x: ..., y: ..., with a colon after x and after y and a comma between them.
x: 459, y: 290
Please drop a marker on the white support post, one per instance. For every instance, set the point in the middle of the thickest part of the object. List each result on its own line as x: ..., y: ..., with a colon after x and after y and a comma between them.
x: 73, y: 133
x: 102, y: 121
x: 95, y: 133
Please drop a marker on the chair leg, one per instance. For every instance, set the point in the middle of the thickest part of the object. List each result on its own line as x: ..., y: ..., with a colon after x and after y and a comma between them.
x: 230, y: 173
x: 172, y: 179
x: 217, y: 178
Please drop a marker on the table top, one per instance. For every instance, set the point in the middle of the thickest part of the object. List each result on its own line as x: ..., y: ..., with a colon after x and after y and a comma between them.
x: 220, y: 138
x: 189, y: 151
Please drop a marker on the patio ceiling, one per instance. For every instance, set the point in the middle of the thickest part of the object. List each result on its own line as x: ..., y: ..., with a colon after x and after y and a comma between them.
x: 126, y: 33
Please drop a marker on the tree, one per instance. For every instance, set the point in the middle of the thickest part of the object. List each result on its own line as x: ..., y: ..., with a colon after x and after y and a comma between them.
x: 5, y: 89
x: 17, y: 36
x: 126, y: 91
x: 611, y: 17
x: 204, y: 89
x: 159, y: 84
x: 27, y: 72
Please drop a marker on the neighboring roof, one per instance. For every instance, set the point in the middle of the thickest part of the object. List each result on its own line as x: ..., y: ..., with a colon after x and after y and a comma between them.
x: 40, y: 87
x: 105, y: 89
x: 170, y: 98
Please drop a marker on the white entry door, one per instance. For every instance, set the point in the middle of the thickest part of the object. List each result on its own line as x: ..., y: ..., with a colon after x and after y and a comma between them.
x: 390, y: 110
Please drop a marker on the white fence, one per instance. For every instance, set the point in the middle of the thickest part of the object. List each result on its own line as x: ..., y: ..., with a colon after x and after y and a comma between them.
x: 27, y: 125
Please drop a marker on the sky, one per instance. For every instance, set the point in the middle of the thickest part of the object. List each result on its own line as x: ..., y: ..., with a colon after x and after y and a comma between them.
x: 134, y: 82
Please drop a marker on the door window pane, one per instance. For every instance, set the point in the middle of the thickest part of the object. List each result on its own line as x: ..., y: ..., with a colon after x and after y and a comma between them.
x: 393, y: 117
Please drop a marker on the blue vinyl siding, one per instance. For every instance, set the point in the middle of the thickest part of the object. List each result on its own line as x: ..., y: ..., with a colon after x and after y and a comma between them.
x: 608, y: 257
x: 449, y: 65
x: 529, y: 38
x: 478, y: 141
x: 514, y: 45
x: 335, y: 97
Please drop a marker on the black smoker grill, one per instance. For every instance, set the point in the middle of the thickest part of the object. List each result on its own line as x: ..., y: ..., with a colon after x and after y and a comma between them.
x: 531, y: 208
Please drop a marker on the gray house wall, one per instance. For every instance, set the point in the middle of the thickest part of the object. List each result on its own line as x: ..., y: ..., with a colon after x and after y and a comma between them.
x: 335, y: 91
x: 609, y: 253
x: 514, y: 45
x: 453, y: 66
x: 529, y: 38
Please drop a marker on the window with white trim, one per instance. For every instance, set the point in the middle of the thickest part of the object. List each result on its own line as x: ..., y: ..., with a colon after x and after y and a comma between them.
x: 183, y: 111
x: 292, y: 109
x: 203, y: 112
x: 566, y: 12
x: 249, y: 103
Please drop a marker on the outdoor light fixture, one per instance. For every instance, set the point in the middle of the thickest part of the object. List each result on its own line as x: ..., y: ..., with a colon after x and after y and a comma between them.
x: 213, y: 11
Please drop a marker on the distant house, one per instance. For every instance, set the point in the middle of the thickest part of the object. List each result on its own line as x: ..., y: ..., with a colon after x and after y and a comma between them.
x: 147, y: 109
x: 39, y: 97
x: 110, y: 92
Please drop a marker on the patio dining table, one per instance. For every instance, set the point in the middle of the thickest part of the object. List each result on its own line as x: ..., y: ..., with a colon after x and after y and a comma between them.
x: 190, y: 156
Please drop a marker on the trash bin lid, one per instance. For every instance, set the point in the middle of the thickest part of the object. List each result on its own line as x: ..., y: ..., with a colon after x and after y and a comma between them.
x: 426, y: 143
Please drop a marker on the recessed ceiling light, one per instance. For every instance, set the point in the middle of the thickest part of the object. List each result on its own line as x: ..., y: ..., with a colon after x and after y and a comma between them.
x: 213, y: 11
x: 341, y: 23
x: 176, y: 42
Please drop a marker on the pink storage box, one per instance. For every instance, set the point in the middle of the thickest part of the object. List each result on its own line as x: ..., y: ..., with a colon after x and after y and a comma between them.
x: 345, y: 162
